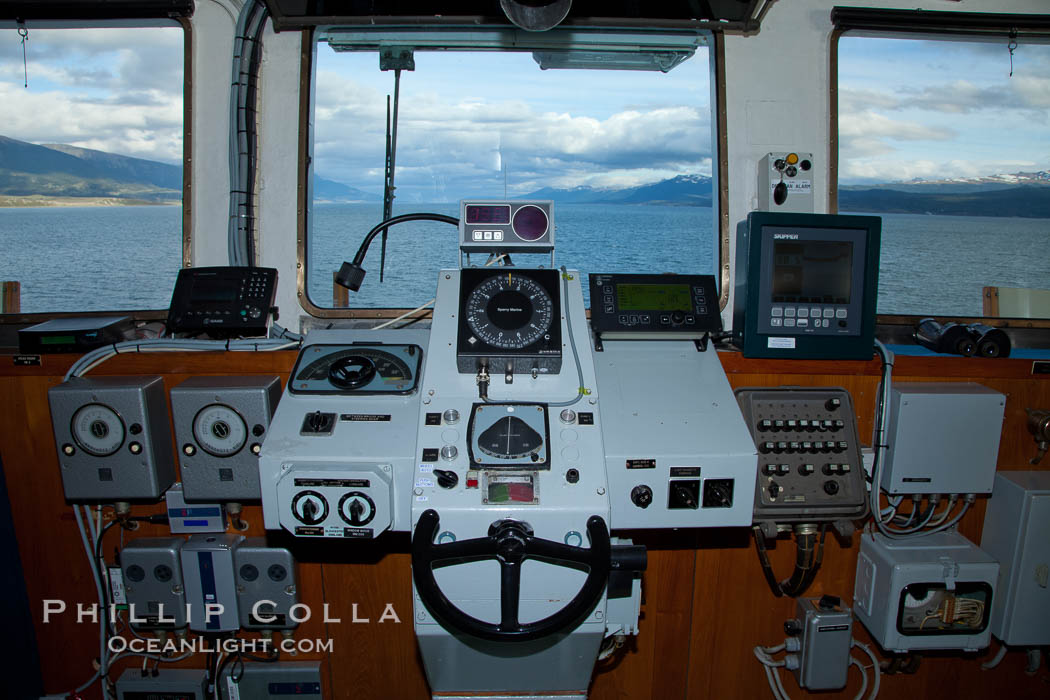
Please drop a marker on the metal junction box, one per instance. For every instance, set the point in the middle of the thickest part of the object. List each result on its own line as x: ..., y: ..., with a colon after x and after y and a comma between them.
x: 220, y: 423
x: 113, y: 438
x: 283, y: 680
x: 826, y: 629
x: 1016, y: 529
x: 266, y: 585
x: 929, y: 592
x: 211, y: 592
x: 153, y: 583
x: 168, y: 684
x: 943, y: 438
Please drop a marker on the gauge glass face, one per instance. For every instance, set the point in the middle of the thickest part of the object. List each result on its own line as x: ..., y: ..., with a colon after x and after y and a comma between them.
x: 510, y: 438
x: 530, y: 223
x: 98, y: 429
x: 220, y: 430
x: 509, y: 311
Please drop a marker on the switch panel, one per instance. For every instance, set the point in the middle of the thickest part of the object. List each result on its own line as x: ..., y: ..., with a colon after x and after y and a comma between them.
x: 220, y: 423
x: 153, y: 583
x: 336, y: 500
x: 809, y: 464
x: 211, y: 592
x: 266, y: 585
x: 113, y: 438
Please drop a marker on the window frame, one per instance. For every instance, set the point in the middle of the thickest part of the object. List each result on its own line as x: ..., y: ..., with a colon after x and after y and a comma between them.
x: 186, y: 259
x: 918, y: 24
x: 307, y: 90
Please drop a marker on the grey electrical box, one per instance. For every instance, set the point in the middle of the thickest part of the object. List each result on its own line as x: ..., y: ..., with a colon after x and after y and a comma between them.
x: 167, y: 684
x: 266, y: 585
x: 283, y: 680
x: 794, y: 171
x: 220, y: 423
x: 826, y: 632
x: 211, y: 592
x: 190, y: 519
x: 943, y: 438
x: 153, y: 583
x: 1016, y: 526
x: 929, y: 592
x: 113, y: 438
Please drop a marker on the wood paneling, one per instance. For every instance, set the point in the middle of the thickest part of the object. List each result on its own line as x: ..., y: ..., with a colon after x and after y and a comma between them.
x: 706, y: 602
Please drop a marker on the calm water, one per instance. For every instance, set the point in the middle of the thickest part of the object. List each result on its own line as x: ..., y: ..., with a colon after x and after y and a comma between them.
x: 126, y: 257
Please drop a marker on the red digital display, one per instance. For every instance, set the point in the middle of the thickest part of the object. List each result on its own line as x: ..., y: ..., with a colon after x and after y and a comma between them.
x: 488, y: 214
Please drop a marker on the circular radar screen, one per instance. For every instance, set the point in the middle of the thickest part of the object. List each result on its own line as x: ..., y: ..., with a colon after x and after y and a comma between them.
x: 220, y: 430
x: 509, y: 311
x: 530, y: 223
x: 98, y: 429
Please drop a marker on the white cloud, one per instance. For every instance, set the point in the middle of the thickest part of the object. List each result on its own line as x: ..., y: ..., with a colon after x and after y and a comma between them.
x: 116, y: 90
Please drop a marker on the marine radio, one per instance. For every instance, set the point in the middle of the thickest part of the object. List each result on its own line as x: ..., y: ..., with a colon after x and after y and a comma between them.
x: 222, y: 301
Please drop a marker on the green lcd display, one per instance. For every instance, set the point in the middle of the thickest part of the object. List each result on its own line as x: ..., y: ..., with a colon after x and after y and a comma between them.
x: 57, y: 340
x: 654, y: 297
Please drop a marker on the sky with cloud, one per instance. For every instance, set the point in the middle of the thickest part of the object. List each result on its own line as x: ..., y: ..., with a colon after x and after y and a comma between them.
x: 467, y: 117
x: 938, y: 109
x: 116, y: 90
x: 908, y: 109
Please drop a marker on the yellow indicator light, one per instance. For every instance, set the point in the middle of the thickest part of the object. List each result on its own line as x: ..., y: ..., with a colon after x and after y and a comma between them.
x: 792, y: 158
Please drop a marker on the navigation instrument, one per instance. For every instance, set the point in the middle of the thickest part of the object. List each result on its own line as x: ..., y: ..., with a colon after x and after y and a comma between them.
x: 509, y: 321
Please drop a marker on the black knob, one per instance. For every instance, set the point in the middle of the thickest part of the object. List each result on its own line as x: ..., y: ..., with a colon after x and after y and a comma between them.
x: 774, y: 489
x: 677, y: 317
x: 792, y: 627
x: 831, y: 487
x: 572, y: 476
x: 446, y: 479
x: 833, y: 403
x: 641, y: 496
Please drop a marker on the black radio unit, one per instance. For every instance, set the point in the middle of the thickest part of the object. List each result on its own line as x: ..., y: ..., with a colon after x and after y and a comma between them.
x: 665, y: 306
x: 222, y: 301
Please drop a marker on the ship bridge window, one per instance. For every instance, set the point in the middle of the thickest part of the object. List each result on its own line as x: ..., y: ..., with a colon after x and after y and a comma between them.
x: 947, y: 141
x: 91, y: 151
x: 615, y: 129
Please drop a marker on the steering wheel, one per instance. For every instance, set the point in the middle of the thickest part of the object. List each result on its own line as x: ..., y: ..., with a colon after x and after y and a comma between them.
x: 510, y: 542
x: 351, y: 372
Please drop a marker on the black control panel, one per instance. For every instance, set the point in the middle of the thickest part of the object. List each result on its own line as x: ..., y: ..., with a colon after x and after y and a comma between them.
x: 809, y: 460
x: 226, y: 301
x: 660, y: 306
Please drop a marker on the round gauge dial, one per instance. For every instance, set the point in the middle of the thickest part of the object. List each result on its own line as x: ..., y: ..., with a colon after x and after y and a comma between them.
x: 98, y: 429
x: 220, y: 430
x: 509, y: 311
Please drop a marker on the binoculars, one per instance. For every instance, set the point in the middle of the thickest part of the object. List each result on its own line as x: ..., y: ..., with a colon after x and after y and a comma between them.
x: 975, y: 339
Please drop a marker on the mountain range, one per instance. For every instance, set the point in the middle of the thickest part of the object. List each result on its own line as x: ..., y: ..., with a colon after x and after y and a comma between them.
x: 42, y: 171
x: 58, y: 170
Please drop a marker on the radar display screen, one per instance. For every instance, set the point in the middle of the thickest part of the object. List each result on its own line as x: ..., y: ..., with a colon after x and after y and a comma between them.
x: 812, y: 271
x: 654, y: 297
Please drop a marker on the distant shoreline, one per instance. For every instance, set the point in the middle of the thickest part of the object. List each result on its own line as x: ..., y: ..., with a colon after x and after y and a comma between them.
x: 39, y: 200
